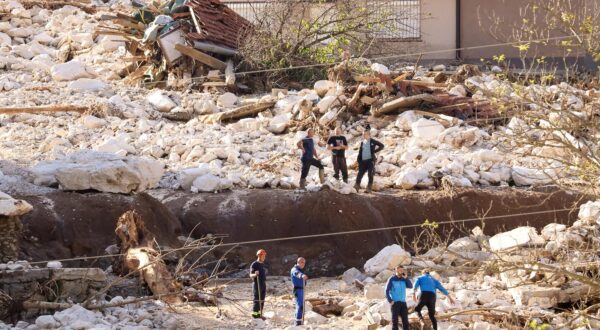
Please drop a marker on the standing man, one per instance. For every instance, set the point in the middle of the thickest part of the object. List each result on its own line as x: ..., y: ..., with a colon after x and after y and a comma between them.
x: 338, y: 145
x: 395, y: 292
x: 428, y: 286
x: 258, y: 275
x: 298, y: 281
x: 366, y: 159
x: 309, y: 158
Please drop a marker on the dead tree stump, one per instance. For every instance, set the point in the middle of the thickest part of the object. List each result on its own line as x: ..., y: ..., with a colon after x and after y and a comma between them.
x: 139, y: 255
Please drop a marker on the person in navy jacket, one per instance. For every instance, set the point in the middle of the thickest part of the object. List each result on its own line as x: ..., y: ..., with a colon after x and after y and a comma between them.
x: 428, y: 286
x: 298, y: 281
x: 395, y: 292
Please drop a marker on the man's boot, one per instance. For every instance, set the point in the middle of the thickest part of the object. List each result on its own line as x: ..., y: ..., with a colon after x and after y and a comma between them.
x: 356, y: 187
x: 369, y: 186
x: 302, y: 183
x: 322, y: 176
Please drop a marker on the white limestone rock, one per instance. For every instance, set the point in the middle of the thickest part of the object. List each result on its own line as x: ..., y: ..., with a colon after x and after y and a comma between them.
x: 527, y: 177
x: 11, y: 207
x: 380, y: 68
x: 388, y: 258
x: 227, y: 100
x: 71, y: 70
x: 550, y: 231
x: 426, y: 129
x: 322, y: 87
x: 374, y: 291
x: 405, y: 120
x: 93, y: 122
x: 279, y: 124
x: 106, y: 172
x: 87, y: 85
x: 160, y: 102
x: 46, y: 322
x: 311, y: 318
x: 206, y: 183
x: 517, y: 237
x: 590, y: 212
x: 352, y: 274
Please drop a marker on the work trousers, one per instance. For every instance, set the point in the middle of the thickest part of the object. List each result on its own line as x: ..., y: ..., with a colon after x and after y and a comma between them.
x: 259, y: 292
x: 365, y: 166
x: 339, y: 164
x: 399, y: 309
x: 306, y: 164
x: 427, y: 299
x: 299, y: 297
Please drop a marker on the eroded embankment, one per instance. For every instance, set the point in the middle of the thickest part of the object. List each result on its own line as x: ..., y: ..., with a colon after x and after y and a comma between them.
x: 71, y: 224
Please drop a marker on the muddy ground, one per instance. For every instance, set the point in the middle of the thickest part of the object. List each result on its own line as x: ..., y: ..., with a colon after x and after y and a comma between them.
x: 66, y: 224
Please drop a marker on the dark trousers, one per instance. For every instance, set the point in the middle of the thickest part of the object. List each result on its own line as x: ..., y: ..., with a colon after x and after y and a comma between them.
x: 339, y: 164
x: 427, y: 299
x: 399, y: 308
x: 306, y: 164
x: 365, y: 166
x: 259, y: 293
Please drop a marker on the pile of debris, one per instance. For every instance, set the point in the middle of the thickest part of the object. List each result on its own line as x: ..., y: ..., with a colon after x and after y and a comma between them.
x: 177, y: 42
x: 521, y: 273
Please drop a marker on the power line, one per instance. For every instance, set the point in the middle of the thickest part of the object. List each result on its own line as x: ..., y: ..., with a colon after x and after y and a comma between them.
x: 315, y: 65
x: 339, y: 233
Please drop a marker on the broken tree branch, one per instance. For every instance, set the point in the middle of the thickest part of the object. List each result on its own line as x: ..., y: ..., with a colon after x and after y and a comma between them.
x: 241, y: 112
x: 407, y: 103
x: 48, y: 108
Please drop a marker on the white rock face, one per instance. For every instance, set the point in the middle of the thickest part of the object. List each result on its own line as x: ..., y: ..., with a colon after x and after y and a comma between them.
x: 11, y: 207
x: 100, y: 171
x: 374, y: 291
x: 227, y: 100
x: 87, y: 85
x: 517, y: 237
x: 71, y: 70
x: 528, y: 177
x: 405, y: 120
x: 426, y: 129
x: 388, y: 258
x: 590, y: 212
x: 160, y: 102
x: 352, y: 274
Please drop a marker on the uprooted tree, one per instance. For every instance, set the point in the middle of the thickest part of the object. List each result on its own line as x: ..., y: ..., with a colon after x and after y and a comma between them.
x: 301, y: 32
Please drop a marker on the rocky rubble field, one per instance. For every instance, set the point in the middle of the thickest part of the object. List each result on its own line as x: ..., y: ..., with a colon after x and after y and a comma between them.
x: 124, y: 133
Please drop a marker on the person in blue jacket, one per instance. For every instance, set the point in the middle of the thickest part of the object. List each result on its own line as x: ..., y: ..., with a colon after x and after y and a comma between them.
x: 298, y: 281
x: 395, y: 292
x: 428, y: 286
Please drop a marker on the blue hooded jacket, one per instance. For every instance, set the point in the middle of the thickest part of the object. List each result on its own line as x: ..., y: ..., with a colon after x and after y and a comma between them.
x: 429, y: 284
x: 395, y: 290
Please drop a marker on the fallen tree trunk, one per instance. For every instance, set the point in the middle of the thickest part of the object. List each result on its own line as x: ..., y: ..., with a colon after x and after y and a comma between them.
x: 51, y: 4
x: 241, y: 112
x: 136, y: 243
x: 41, y: 109
x: 406, y: 103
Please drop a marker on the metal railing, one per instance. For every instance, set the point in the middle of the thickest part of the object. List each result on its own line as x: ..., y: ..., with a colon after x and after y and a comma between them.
x: 403, y: 17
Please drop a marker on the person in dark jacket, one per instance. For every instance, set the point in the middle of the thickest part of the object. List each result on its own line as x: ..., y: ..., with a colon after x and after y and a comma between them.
x: 429, y: 286
x: 395, y: 292
x: 258, y: 275
x: 366, y: 159
x: 309, y: 158
x: 338, y: 145
x: 298, y: 281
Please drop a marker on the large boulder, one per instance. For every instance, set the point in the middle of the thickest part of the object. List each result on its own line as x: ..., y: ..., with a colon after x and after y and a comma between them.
x: 322, y: 87
x: 101, y: 171
x: 388, y: 258
x: 10, y: 207
x: 71, y: 70
x: 87, y: 85
x: 527, y: 177
x: 426, y: 129
x: 352, y: 274
x: 206, y: 183
x: 517, y: 237
x: 279, y: 124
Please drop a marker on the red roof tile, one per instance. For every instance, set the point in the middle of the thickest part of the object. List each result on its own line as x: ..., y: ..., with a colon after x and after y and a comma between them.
x: 218, y: 23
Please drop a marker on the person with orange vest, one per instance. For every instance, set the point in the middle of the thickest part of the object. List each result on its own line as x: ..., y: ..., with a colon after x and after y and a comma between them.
x: 258, y: 274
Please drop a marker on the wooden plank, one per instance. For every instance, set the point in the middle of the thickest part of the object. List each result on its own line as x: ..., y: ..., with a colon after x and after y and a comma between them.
x: 419, y: 83
x: 214, y: 84
x: 202, y: 57
x: 128, y: 24
x: 241, y: 112
x: 42, y: 109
